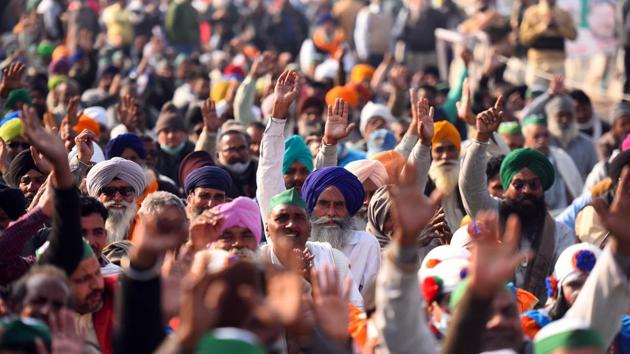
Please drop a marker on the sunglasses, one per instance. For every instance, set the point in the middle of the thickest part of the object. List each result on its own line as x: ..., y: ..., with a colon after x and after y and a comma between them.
x: 16, y: 144
x: 111, y: 191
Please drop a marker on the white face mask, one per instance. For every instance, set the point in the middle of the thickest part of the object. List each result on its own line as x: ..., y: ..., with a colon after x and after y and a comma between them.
x: 442, y: 325
x: 238, y: 167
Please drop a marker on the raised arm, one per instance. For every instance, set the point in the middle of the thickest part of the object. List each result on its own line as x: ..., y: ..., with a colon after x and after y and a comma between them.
x: 246, y: 92
x: 336, y: 128
x: 211, y: 123
x: 422, y: 125
x: 605, y: 296
x: 472, y: 177
x: 269, y: 174
x: 66, y: 245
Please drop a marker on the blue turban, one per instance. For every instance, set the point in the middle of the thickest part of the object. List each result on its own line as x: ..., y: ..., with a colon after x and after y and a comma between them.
x: 333, y: 176
x: 116, y: 146
x: 296, y: 150
x: 208, y: 177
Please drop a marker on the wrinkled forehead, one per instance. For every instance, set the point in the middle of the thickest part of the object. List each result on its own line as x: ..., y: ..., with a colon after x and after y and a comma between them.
x: 287, y: 209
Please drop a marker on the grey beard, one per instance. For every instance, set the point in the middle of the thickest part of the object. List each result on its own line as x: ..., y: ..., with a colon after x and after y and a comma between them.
x: 337, y: 235
x: 564, y: 135
x: 118, y: 222
x: 445, y: 175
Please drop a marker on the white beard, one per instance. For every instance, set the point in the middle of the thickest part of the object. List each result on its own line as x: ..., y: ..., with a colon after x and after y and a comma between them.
x: 337, y: 235
x: 564, y: 135
x: 119, y: 220
x: 445, y: 175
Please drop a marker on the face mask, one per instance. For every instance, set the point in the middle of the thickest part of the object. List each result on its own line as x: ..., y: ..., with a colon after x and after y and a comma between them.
x: 238, y: 167
x: 443, y: 324
x: 172, y: 151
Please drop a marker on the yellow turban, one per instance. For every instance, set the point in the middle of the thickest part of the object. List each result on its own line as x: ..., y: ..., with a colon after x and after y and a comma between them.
x: 361, y: 72
x: 393, y: 162
x: 444, y: 130
x: 345, y: 93
x: 219, y: 90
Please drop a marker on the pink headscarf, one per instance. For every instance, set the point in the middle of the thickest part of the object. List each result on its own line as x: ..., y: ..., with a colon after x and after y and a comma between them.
x: 626, y: 143
x: 241, y: 212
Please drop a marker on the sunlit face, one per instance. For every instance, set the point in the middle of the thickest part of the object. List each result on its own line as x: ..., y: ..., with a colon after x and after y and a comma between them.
x: 45, y: 295
x: 537, y: 137
x: 295, y: 176
x: 373, y: 124
x: 236, y: 237
x: 233, y: 148
x: 202, y: 199
x: 330, y: 203
x: 444, y: 150
x: 525, y: 182
x: 87, y: 286
x: 288, y: 227
x: 94, y: 232
x: 513, y: 141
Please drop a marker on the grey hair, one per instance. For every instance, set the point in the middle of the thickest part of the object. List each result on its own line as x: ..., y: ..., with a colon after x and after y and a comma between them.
x: 157, y: 201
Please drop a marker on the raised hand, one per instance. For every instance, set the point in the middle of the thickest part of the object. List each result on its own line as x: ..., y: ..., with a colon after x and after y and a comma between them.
x: 493, y: 263
x: 411, y: 211
x: 127, y: 112
x: 211, y: 122
x: 425, y: 115
x: 330, y: 303
x: 398, y: 78
x: 11, y: 78
x: 262, y: 64
x: 285, y: 93
x: 40, y: 161
x: 64, y: 336
x: 556, y: 86
x: 436, y: 229
x: 204, y: 229
x: 615, y: 219
x: 304, y: 262
x: 488, y: 121
x: 85, y: 149
x: 284, y: 295
x: 72, y: 115
x: 336, y: 127
x: 46, y: 143
x: 464, y: 105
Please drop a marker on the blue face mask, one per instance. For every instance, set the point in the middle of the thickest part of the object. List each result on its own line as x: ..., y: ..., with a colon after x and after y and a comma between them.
x: 172, y: 151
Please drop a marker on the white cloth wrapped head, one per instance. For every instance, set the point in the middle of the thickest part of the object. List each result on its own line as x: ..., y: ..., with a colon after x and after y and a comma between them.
x: 103, y: 173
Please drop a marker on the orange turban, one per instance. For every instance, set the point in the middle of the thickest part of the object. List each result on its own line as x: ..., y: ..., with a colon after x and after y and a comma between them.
x: 394, y: 163
x: 326, y: 43
x: 345, y: 93
x: 361, y: 72
x: 86, y: 122
x: 444, y: 130
x: 61, y: 51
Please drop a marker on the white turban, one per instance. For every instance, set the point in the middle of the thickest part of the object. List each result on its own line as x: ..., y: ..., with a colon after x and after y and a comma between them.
x: 369, y: 169
x: 371, y: 110
x: 103, y: 173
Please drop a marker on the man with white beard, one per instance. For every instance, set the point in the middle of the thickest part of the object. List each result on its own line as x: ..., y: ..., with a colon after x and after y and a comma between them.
x: 444, y: 171
x: 333, y: 195
x: 560, y: 112
x: 117, y: 183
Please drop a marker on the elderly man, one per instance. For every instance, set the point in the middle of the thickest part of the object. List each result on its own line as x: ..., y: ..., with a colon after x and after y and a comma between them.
x: 333, y: 195
x: 174, y: 144
x: 288, y: 229
x: 511, y: 134
x: 117, y: 183
x: 525, y: 175
x: 205, y: 188
x: 560, y: 112
x: 570, y: 183
x: 25, y: 175
x: 372, y: 175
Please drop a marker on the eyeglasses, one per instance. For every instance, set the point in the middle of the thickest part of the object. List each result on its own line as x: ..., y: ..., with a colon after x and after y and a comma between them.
x: 533, y: 184
x: 16, y: 144
x: 110, y: 192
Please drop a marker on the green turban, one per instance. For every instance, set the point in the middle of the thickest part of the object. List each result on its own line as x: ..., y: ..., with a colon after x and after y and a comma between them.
x: 534, y: 119
x: 45, y: 49
x: 288, y: 197
x: 510, y: 128
x: 232, y: 341
x: 296, y: 150
x: 15, y: 96
x: 20, y: 334
x: 527, y: 158
x: 567, y: 333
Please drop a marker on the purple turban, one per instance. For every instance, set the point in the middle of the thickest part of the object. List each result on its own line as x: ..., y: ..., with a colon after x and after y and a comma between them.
x: 208, y: 177
x: 116, y: 146
x: 333, y: 176
x: 241, y: 212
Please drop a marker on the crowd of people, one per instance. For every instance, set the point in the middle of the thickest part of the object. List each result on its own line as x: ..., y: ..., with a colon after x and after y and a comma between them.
x: 286, y: 176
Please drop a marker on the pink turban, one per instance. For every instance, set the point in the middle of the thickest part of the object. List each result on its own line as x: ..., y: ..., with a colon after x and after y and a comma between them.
x: 369, y: 169
x: 241, y: 212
